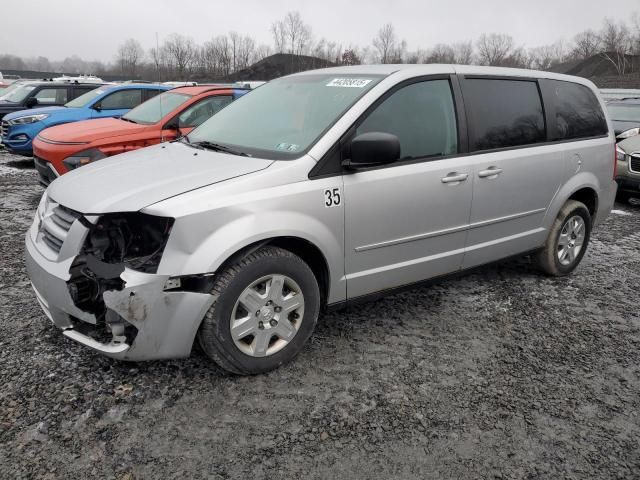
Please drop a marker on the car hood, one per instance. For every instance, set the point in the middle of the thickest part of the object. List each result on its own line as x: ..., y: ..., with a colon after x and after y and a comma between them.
x: 9, y: 106
x: 620, y: 126
x: 134, y: 180
x: 90, y: 130
x: 36, y: 111
x: 630, y: 145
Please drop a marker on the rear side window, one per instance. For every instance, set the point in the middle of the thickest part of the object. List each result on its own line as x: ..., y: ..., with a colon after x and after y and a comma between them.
x: 150, y: 93
x: 422, y: 116
x: 52, y: 96
x: 577, y: 112
x: 122, y: 99
x: 503, y: 113
x: 203, y: 111
x: 77, y: 91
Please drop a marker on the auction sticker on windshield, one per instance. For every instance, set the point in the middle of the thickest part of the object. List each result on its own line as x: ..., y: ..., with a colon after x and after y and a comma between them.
x: 349, y: 82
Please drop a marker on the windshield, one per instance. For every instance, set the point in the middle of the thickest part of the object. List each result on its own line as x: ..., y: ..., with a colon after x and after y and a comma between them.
x: 155, y: 108
x: 285, y: 117
x: 9, y: 89
x: 18, y: 94
x: 85, y: 99
x: 624, y: 113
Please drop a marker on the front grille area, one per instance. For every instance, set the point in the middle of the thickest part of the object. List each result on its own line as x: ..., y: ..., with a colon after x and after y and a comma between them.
x: 634, y: 163
x: 56, y: 225
x: 45, y: 174
x: 4, y: 129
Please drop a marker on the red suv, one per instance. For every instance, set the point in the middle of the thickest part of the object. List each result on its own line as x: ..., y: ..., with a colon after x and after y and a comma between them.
x: 163, y: 118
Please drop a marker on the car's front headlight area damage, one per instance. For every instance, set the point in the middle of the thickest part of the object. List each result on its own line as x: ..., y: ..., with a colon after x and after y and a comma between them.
x: 133, y: 241
x: 96, y: 277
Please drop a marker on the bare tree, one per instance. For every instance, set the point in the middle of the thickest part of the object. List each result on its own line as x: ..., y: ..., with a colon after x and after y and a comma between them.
x: 129, y: 56
x: 586, y: 44
x: 543, y: 58
x: 616, y: 44
x: 181, y: 52
x: 217, y: 56
x: 241, y: 50
x: 158, y: 57
x: 493, y: 49
x: 517, y: 58
x: 441, y: 53
x: 386, y: 43
x: 279, y: 33
x: 635, y: 34
x: 298, y: 34
x: 389, y: 49
x: 261, y: 52
x: 463, y: 53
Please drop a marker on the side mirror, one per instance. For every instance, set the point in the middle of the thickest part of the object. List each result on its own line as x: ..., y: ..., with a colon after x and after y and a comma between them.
x: 31, y: 102
x: 97, y: 107
x: 373, y: 149
x: 173, y: 125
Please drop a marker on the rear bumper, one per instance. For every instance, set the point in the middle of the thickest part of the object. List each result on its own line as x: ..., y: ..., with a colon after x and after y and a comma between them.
x: 606, y: 199
x: 165, y: 323
x: 629, y: 184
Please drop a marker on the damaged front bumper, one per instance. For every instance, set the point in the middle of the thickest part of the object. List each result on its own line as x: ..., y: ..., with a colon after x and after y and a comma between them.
x: 143, y: 320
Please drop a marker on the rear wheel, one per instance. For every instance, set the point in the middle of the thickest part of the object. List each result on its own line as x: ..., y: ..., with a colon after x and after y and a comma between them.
x: 266, y: 308
x: 567, y: 240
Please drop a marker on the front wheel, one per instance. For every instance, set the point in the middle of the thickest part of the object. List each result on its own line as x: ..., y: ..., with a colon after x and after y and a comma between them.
x: 266, y: 307
x: 567, y: 240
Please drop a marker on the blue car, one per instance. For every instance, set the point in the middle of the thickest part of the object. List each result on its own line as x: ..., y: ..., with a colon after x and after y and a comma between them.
x: 18, y: 129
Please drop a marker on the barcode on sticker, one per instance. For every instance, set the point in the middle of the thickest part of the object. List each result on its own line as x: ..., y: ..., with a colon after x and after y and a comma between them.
x: 349, y: 82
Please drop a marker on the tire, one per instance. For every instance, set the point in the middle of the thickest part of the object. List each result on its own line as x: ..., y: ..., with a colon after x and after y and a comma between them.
x: 623, y: 197
x: 549, y: 258
x: 257, y: 279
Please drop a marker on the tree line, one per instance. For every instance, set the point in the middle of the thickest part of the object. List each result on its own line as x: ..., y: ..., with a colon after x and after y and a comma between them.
x: 179, y: 57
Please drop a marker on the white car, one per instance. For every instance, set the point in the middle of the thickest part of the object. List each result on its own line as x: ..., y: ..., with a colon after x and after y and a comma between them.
x: 315, y: 190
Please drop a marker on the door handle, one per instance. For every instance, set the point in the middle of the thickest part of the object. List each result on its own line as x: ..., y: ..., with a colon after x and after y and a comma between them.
x: 491, y: 172
x: 455, y: 177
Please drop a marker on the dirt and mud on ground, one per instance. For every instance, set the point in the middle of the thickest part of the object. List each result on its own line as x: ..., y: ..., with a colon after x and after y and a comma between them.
x: 502, y: 373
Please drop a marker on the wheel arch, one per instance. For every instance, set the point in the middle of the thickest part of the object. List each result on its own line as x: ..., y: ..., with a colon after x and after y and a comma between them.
x: 589, y: 197
x: 303, y: 248
x: 583, y: 187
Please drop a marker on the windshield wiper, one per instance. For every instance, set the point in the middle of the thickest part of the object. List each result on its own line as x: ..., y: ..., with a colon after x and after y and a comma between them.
x: 128, y: 120
x: 219, y: 148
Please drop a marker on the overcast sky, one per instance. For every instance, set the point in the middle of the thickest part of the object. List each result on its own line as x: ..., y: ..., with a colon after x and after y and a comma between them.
x: 93, y: 29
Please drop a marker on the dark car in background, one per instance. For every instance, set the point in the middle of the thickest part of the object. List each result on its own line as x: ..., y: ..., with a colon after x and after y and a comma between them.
x: 625, y: 115
x: 42, y: 93
x: 628, y: 168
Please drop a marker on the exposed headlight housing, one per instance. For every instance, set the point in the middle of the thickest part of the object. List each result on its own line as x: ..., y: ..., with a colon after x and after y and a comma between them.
x: 620, y: 154
x: 82, y: 158
x: 28, y: 119
x: 632, y: 132
x: 133, y: 240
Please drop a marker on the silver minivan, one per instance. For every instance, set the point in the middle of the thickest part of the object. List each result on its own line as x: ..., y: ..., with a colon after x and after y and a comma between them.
x: 315, y: 190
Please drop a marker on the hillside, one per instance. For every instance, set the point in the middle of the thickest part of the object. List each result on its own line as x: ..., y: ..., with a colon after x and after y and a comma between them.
x: 278, y: 65
x: 602, y: 72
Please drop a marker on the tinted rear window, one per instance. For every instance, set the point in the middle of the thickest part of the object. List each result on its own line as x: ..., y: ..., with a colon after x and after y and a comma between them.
x: 578, y: 112
x: 504, y: 113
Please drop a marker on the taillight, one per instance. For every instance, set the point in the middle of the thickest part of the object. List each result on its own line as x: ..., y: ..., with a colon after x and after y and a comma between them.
x: 618, y: 155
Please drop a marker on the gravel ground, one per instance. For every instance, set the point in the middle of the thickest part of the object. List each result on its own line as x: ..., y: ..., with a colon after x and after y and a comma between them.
x: 502, y: 373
